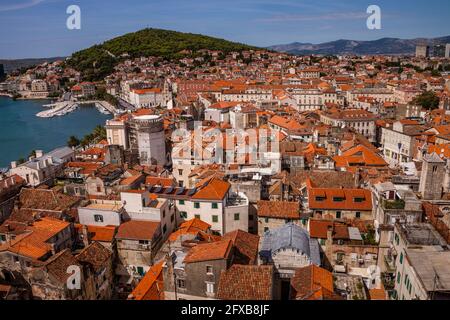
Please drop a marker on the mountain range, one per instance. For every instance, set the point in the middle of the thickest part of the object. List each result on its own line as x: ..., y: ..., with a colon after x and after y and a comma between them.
x: 388, y: 46
x: 14, y: 64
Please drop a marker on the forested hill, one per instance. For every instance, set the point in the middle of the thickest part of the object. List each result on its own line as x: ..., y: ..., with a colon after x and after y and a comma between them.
x: 98, y: 61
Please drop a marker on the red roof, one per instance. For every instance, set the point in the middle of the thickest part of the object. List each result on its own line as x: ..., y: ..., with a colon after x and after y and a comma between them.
x: 344, y: 199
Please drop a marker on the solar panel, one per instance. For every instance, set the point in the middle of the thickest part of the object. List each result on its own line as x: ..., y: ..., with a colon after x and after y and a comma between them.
x: 192, y: 191
x: 180, y: 191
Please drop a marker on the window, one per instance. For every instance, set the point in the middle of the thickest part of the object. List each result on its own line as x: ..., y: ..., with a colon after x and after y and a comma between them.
x: 358, y: 215
x: 209, y: 270
x: 143, y: 241
x: 140, y: 270
x: 338, y: 214
x: 98, y: 218
x: 164, y: 229
x: 209, y: 287
x: 266, y: 220
x: 197, y: 205
x: 183, y: 214
x: 358, y: 199
x: 338, y: 199
x: 180, y: 172
x: 320, y: 199
x: 214, y: 205
x: 236, y: 216
x: 2, y: 238
x: 172, y: 217
x: 401, y: 258
x: 197, y: 216
x: 181, y: 202
x: 266, y: 229
x: 215, y: 218
x: 99, y: 189
x: 399, y: 277
x: 181, y: 283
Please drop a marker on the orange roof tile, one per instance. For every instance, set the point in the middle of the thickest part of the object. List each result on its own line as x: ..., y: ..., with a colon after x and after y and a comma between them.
x: 209, y: 251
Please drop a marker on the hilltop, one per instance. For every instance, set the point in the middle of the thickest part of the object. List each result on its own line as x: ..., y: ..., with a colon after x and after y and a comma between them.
x: 98, y: 61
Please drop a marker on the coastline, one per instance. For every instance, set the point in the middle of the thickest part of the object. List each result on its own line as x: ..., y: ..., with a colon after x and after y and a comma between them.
x: 22, y: 131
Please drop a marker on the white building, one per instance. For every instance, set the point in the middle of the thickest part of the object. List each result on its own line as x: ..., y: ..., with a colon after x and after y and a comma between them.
x: 44, y: 167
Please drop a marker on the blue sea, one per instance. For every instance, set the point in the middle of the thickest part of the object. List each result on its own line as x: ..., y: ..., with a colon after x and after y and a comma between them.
x: 21, y: 131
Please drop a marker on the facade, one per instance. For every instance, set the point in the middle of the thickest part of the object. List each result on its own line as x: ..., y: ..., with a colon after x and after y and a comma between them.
x: 420, y: 256
x: 44, y: 167
x: 422, y: 51
x: 147, y: 139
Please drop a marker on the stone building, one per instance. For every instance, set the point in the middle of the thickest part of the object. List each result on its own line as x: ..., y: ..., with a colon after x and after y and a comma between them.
x: 432, y: 177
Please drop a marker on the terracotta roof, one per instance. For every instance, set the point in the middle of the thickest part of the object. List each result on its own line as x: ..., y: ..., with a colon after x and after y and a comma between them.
x: 377, y: 294
x: 151, y: 286
x: 245, y: 246
x: 193, y: 226
x: 279, y: 209
x: 209, y: 251
x: 137, y: 230
x: 33, y: 242
x: 165, y: 182
x: 46, y: 199
x: 57, y: 265
x: 326, y: 199
x: 319, y: 229
x: 214, y: 189
x: 95, y: 255
x: 359, y: 156
x: 246, y: 283
x: 313, y: 283
x: 99, y: 233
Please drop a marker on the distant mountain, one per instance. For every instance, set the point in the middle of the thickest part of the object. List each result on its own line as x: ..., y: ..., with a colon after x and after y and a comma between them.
x: 11, y: 65
x: 98, y: 61
x: 388, y: 46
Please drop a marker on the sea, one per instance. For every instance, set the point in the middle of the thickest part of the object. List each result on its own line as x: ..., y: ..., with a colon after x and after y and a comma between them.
x: 21, y: 131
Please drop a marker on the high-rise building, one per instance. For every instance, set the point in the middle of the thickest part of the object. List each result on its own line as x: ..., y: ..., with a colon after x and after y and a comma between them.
x: 447, y: 50
x: 422, y: 51
x: 439, y: 50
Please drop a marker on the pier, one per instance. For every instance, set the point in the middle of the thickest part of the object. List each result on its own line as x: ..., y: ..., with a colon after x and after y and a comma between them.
x: 64, y: 107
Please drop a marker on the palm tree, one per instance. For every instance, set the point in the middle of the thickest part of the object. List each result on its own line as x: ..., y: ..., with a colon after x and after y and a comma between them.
x: 73, y: 141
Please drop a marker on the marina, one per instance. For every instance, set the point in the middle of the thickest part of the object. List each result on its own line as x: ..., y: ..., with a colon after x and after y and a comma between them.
x: 21, y: 131
x: 64, y: 107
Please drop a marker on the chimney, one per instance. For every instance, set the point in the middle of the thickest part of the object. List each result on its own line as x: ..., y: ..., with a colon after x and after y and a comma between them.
x: 53, y: 248
x: 39, y: 153
x: 13, y: 164
x: 357, y: 178
x: 38, y: 165
x: 85, y: 234
x: 330, y: 234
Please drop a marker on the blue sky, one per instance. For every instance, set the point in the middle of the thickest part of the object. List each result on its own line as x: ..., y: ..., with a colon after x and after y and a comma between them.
x: 37, y: 28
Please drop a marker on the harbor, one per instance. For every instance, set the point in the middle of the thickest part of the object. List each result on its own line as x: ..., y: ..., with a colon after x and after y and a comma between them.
x: 64, y: 107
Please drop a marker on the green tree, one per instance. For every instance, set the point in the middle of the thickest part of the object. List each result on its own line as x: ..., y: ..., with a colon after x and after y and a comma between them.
x: 428, y: 100
x: 73, y: 141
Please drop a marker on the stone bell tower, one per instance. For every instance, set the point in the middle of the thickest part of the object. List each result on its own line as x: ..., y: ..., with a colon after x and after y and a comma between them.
x: 432, y: 177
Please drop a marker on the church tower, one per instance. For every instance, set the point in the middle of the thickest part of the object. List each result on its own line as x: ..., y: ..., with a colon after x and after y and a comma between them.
x: 432, y: 177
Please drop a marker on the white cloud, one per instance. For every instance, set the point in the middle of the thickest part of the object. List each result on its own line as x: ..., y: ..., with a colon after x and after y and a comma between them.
x: 20, y: 5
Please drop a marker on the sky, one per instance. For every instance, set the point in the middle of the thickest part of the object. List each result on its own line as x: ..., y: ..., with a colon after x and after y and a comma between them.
x: 37, y: 28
